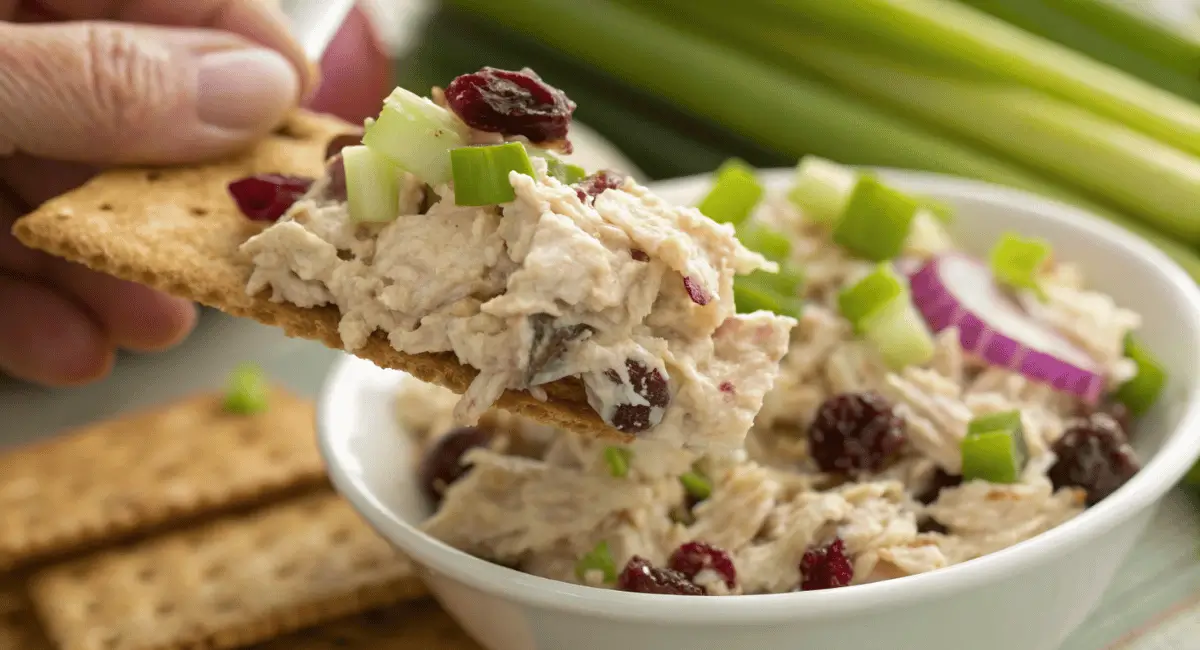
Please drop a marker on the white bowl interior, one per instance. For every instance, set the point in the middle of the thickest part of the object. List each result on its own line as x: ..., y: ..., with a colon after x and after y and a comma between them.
x: 371, y: 462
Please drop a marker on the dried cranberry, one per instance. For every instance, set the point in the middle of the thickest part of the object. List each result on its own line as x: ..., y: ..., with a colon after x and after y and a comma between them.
x: 443, y: 465
x: 1115, y: 410
x: 697, y: 293
x: 642, y: 577
x: 267, y: 197
x: 592, y: 186
x: 639, y: 255
x: 855, y: 432
x: 826, y: 567
x: 1095, y: 455
x: 728, y: 388
x: 651, y: 385
x: 938, y: 482
x: 931, y: 525
x: 694, y: 557
x: 511, y: 103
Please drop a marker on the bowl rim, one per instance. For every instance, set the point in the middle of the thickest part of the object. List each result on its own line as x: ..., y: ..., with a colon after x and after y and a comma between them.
x: 1157, y: 476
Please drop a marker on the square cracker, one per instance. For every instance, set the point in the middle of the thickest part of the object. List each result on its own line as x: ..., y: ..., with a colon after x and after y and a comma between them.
x: 226, y: 584
x: 138, y: 472
x: 177, y: 229
x: 18, y: 625
x: 410, y: 626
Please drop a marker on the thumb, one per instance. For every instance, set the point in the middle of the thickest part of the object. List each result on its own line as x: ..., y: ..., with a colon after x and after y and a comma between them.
x: 100, y: 92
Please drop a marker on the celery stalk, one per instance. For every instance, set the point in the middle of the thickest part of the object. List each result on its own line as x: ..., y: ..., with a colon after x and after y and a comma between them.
x: 1138, y: 58
x: 942, y: 27
x: 1173, y: 47
x: 794, y: 115
x: 1137, y: 172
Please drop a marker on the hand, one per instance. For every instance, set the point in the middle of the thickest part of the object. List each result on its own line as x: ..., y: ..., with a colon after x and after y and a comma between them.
x: 127, y: 81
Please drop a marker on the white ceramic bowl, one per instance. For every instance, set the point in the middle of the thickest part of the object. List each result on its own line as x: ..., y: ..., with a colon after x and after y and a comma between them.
x: 1027, y: 597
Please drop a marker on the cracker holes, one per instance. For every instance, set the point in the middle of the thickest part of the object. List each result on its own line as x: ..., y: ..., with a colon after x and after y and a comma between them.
x: 198, y: 211
x: 340, y: 641
x: 249, y: 433
x: 340, y: 536
x: 287, y: 570
x: 364, y: 562
x: 164, y: 608
x: 153, y: 176
x: 147, y: 574
x: 215, y: 571
x: 168, y: 471
x: 225, y: 604
x: 278, y: 454
x: 91, y: 607
x: 104, y: 207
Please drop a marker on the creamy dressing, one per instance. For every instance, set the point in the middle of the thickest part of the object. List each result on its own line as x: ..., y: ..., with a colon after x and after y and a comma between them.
x: 545, y: 287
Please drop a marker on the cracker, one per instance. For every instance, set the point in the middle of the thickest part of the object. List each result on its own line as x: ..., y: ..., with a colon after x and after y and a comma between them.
x: 18, y: 626
x: 129, y: 475
x: 177, y: 230
x: 226, y: 584
x: 410, y: 626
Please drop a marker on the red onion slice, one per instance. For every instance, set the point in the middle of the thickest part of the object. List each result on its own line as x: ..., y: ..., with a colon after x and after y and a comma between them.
x: 958, y: 291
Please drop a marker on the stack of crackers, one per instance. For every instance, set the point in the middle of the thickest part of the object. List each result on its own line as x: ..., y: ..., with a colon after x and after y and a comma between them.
x: 190, y: 526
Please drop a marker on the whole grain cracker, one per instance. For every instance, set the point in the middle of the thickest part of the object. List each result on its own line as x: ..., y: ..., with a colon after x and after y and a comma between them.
x: 121, y: 477
x: 226, y: 584
x: 410, y: 626
x: 18, y: 625
x: 177, y: 229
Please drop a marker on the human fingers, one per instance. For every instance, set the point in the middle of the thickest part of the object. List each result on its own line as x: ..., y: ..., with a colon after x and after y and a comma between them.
x: 48, y: 339
x: 116, y: 93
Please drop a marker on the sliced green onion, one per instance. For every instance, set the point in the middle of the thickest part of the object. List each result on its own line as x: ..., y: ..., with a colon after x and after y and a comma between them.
x: 481, y: 173
x: 416, y: 134
x: 900, y: 334
x: 770, y: 243
x: 822, y: 188
x: 875, y: 291
x: 994, y: 448
x: 617, y: 459
x: 876, y: 220
x: 247, y: 391
x: 598, y: 559
x: 565, y: 172
x: 733, y: 195
x: 696, y: 485
x: 1139, y: 393
x: 1018, y: 262
x: 372, y: 185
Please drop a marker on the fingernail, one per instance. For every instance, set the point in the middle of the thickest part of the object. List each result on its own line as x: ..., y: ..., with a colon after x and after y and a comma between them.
x: 246, y: 88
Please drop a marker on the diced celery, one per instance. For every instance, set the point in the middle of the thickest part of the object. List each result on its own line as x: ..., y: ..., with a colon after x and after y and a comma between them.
x: 247, y: 392
x: 1139, y: 393
x: 481, y: 174
x: 696, y: 484
x: 617, y: 459
x: 771, y: 244
x: 775, y: 292
x: 598, y: 559
x: 566, y: 173
x: 416, y: 134
x: 875, y: 291
x: 994, y: 448
x: 999, y: 421
x: 372, y: 185
x: 876, y: 220
x: 733, y: 195
x: 899, y: 332
x: 991, y: 456
x: 1018, y: 262
x: 822, y: 188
